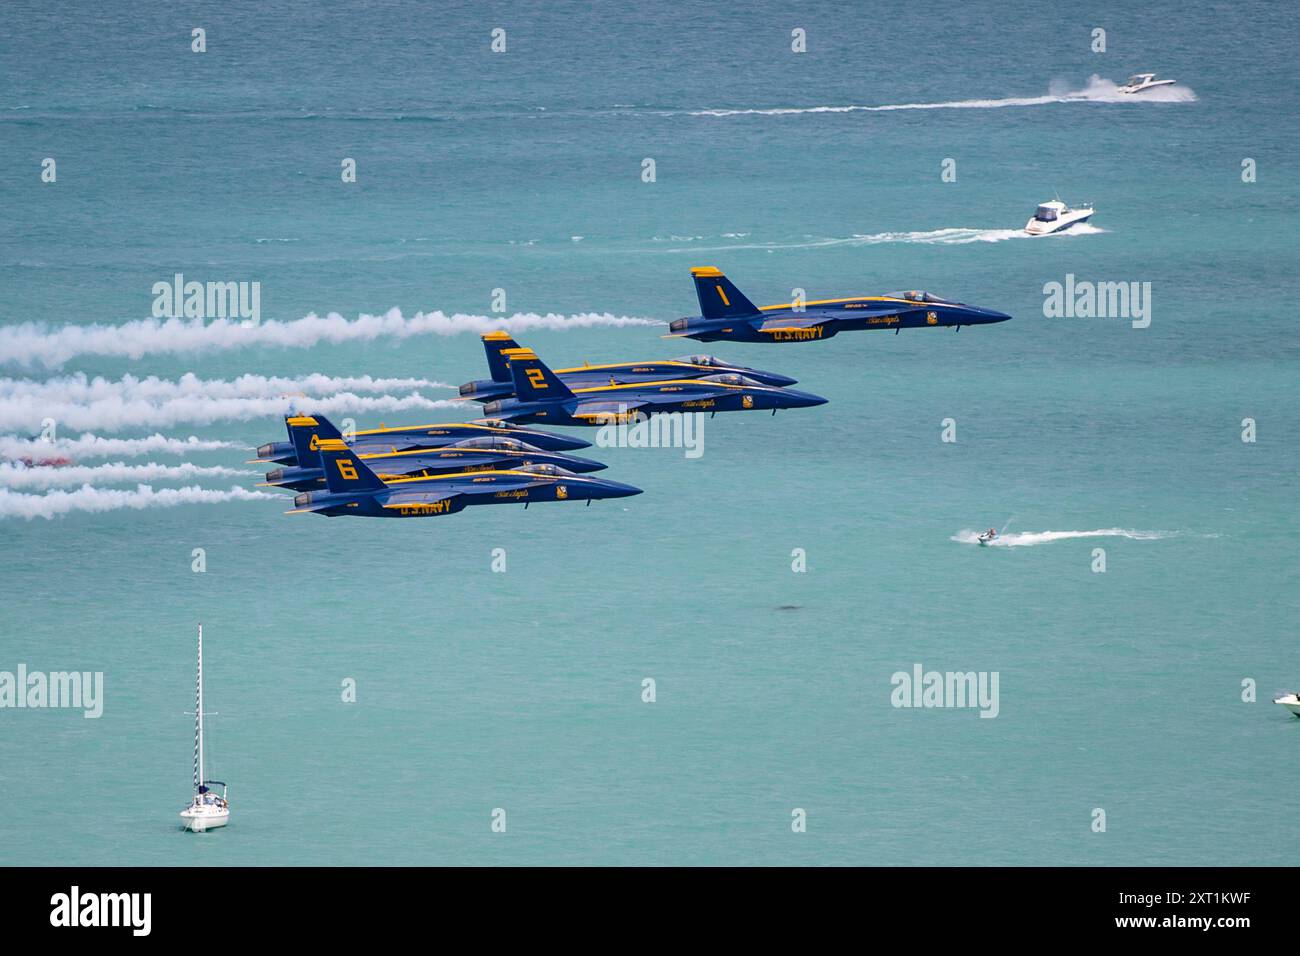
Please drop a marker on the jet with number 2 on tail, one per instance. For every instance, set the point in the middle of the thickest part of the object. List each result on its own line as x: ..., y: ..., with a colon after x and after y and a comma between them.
x: 482, y: 453
x: 727, y: 316
x: 501, y: 385
x: 540, y: 396
x: 353, y: 489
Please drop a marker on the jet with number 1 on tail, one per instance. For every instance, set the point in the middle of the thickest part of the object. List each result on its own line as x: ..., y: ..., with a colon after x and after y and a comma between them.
x: 727, y: 316
x: 353, y: 489
x: 541, y: 397
x: 501, y: 385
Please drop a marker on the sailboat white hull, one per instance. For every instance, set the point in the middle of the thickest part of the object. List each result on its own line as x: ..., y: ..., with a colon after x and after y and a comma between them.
x: 198, y: 821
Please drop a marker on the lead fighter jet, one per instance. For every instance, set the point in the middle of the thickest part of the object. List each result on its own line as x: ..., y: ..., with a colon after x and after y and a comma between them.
x: 353, y: 489
x: 542, y: 397
x: 727, y: 316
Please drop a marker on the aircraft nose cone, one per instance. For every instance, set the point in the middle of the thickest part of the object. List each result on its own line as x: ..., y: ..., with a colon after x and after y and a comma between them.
x: 565, y: 443
x: 803, y: 399
x: 784, y: 381
x: 616, y: 489
x: 580, y: 465
x: 991, y: 316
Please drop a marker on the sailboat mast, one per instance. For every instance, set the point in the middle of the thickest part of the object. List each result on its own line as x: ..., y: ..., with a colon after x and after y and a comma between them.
x: 198, y: 719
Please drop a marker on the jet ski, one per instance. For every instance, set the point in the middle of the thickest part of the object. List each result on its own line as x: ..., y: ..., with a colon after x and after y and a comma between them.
x: 1141, y: 82
x: 988, y: 536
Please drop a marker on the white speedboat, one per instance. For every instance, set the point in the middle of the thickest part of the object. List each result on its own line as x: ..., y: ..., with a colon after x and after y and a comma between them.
x: 987, y: 536
x: 1056, y: 216
x: 1141, y: 82
x: 1290, y: 701
x: 206, y: 811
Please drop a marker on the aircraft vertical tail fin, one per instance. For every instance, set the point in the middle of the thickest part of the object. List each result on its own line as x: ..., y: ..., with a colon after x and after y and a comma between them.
x: 534, y: 382
x: 344, y: 469
x: 495, y: 344
x: 719, y: 299
x: 306, y: 432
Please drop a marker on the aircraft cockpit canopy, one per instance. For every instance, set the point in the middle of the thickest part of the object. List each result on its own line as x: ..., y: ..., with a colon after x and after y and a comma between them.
x: 710, y: 360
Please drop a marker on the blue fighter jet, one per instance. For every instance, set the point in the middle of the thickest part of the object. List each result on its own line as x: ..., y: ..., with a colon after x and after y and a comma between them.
x: 540, y: 396
x: 378, y: 441
x: 484, y: 453
x: 727, y: 316
x: 353, y: 489
x: 501, y: 385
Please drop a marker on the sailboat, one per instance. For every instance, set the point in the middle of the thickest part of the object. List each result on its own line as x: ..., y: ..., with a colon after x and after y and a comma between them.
x: 207, y: 811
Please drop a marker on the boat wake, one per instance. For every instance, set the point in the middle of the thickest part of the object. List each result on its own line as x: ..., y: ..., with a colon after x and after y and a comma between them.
x: 1024, y: 539
x: 1097, y: 90
x: 952, y: 236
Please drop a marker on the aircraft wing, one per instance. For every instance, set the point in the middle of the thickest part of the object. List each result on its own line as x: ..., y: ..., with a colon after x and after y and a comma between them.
x: 424, y: 502
x: 808, y: 320
x: 793, y: 322
x: 607, y: 411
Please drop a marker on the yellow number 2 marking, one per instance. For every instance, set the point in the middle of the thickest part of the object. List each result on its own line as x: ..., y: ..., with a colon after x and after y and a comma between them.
x: 535, y: 376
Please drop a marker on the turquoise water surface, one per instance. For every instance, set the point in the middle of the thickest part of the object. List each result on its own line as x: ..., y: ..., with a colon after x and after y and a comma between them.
x: 522, y: 690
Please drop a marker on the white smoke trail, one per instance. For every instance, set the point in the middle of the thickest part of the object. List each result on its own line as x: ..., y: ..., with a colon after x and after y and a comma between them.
x: 25, y: 413
x: 80, y: 389
x: 31, y: 343
x: 15, y: 504
x: 1024, y: 539
x: 15, y: 475
x: 1098, y: 90
x: 96, y: 446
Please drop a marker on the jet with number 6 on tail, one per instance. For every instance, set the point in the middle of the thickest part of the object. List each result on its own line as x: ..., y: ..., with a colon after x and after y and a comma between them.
x: 351, y: 488
x: 727, y: 316
x: 481, y: 453
x: 540, y: 396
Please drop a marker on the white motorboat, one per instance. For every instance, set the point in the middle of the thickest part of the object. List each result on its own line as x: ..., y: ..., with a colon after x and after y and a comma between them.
x: 1056, y: 216
x: 987, y: 537
x: 1290, y: 701
x: 207, y: 811
x: 1141, y: 82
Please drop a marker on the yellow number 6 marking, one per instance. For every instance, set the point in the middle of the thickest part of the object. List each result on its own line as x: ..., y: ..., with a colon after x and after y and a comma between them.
x: 346, y: 469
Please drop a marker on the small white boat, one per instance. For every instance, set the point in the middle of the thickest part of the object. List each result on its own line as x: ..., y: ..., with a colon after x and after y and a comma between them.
x: 1141, y: 82
x: 1290, y: 701
x: 1056, y: 216
x: 207, y: 811
x: 987, y: 536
